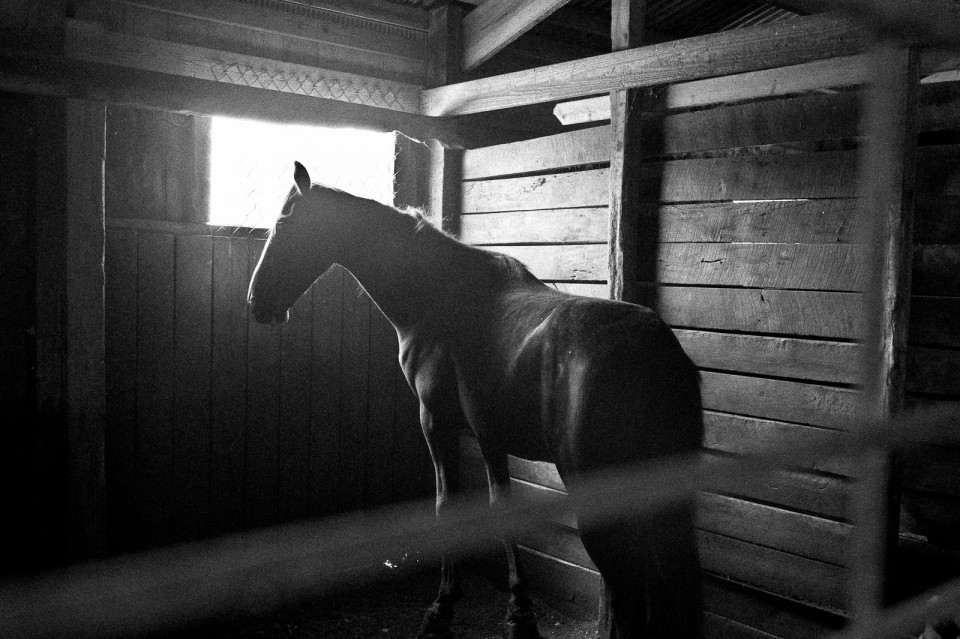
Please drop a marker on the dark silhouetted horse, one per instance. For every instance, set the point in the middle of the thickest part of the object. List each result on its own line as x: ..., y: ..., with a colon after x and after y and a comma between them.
x: 533, y: 372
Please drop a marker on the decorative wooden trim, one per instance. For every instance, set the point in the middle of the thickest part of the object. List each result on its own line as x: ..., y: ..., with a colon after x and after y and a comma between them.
x: 90, y: 43
x: 718, y: 54
x: 85, y: 343
x: 496, y: 23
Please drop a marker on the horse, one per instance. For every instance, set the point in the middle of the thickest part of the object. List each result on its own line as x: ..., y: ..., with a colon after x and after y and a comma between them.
x: 587, y: 384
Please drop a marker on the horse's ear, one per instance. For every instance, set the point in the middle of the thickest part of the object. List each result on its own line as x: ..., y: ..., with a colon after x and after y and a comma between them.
x: 301, y: 177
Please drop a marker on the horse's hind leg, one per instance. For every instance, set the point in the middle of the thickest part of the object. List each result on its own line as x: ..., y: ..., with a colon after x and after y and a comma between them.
x: 443, y: 441
x: 521, y: 621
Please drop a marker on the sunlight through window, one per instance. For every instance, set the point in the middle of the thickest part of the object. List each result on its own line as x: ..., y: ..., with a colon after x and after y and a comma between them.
x: 251, y: 166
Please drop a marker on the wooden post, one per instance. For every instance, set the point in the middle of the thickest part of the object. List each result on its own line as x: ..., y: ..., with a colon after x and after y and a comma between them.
x: 445, y: 38
x: 886, y: 178
x: 84, y: 364
x: 626, y: 29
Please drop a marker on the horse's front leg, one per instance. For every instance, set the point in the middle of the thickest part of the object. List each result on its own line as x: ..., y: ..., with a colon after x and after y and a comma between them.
x: 442, y: 436
x: 521, y: 622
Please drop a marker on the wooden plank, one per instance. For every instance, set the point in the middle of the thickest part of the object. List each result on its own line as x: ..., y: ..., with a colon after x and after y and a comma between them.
x: 752, y: 48
x: 816, y: 583
x: 814, y: 360
x: 120, y: 327
x: 739, y: 435
x: 559, y: 151
x: 560, y: 542
x: 827, y: 174
x: 567, y: 587
x: 444, y: 190
x: 550, y: 226
x: 829, y: 267
x: 192, y: 396
x: 933, y: 516
x: 326, y: 394
x: 185, y: 228
x: 766, y: 612
x: 807, y: 313
x: 262, y: 458
x: 932, y: 469
x: 296, y: 381
x: 228, y: 383
x: 353, y: 463
x: 564, y: 190
x: 933, y: 321
x: 935, y: 268
x: 933, y: 370
x: 937, y: 174
x: 381, y: 445
x: 156, y: 378
x: 812, y: 404
x: 494, y: 24
x: 719, y: 627
x: 580, y: 262
x: 795, y: 533
x: 940, y: 106
x: 84, y: 361
x: 445, y: 45
x: 802, y: 222
x: 600, y: 291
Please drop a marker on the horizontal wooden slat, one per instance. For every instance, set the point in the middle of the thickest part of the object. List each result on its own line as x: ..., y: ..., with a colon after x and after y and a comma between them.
x: 719, y: 627
x: 563, y: 150
x: 803, y: 535
x: 935, y: 269
x: 740, y: 435
x: 804, y: 403
x: 827, y: 174
x: 935, y: 321
x: 831, y: 267
x: 567, y: 587
x: 933, y: 370
x: 823, y: 495
x: 766, y: 612
x: 496, y: 23
x: 932, y: 469
x: 817, y: 583
x: 600, y: 291
x: 935, y: 516
x: 560, y: 542
x: 808, y: 313
x: 815, y: 360
x: 808, y: 222
x: 752, y: 48
x: 564, y: 190
x: 576, y: 262
x: 552, y: 226
x: 185, y: 228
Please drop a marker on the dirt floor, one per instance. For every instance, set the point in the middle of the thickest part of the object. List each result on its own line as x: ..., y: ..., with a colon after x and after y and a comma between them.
x: 390, y: 609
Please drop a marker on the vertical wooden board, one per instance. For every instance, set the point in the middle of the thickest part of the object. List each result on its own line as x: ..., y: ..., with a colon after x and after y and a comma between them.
x: 262, y: 474
x: 122, y: 180
x: 356, y: 364
x: 326, y: 399
x: 192, y: 392
x: 382, y: 427
x: 150, y: 165
x: 178, y: 166
x: 228, y: 383
x: 120, y: 324
x: 296, y: 381
x: 155, y: 386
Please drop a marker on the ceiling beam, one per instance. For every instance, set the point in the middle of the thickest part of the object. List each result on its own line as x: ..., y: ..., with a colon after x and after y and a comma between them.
x: 496, y: 23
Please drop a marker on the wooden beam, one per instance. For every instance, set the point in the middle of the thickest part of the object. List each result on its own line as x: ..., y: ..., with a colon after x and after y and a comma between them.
x: 887, y: 172
x: 496, y: 23
x: 85, y: 372
x: 717, y: 54
x: 626, y: 235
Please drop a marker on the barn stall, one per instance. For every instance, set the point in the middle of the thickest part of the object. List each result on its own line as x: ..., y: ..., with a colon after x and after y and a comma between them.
x: 720, y: 188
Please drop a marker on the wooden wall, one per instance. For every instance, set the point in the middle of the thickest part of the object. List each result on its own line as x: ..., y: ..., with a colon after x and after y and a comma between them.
x: 758, y: 269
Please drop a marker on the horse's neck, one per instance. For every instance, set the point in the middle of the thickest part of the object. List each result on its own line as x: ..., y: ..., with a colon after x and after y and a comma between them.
x: 399, y: 265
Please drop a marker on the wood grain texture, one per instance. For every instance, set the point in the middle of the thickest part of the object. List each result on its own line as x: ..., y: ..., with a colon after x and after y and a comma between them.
x: 327, y: 399
x: 573, y: 262
x: 765, y: 311
x: 550, y: 226
x: 748, y: 49
x: 496, y: 23
x: 815, y: 360
x: 192, y: 389
x: 564, y: 190
x: 295, y: 398
x: 805, y: 403
x: 559, y: 151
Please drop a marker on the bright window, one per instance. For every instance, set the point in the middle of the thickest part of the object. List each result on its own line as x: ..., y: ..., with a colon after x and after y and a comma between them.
x: 251, y: 166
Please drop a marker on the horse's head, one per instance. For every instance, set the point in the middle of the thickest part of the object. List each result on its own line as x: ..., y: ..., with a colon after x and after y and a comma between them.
x: 301, y: 247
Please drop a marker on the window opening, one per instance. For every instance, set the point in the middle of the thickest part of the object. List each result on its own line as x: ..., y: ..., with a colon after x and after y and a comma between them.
x: 251, y: 166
